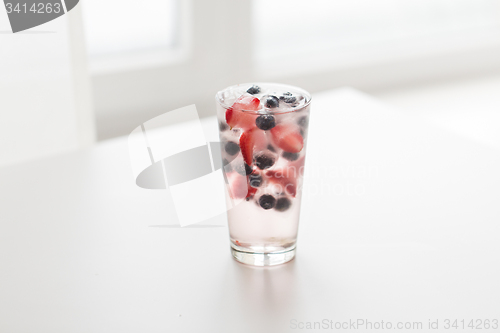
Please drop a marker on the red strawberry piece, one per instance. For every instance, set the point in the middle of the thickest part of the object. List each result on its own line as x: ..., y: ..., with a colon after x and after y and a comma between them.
x: 287, y: 137
x: 238, y: 185
x: 248, y: 140
x: 236, y: 117
x: 246, y: 146
x: 251, y: 192
x: 286, y: 178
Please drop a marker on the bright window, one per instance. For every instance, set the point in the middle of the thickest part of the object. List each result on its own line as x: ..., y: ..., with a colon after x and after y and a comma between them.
x: 118, y: 26
x: 285, y: 29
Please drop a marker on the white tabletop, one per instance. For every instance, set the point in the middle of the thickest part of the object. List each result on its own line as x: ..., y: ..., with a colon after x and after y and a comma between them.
x: 400, y: 223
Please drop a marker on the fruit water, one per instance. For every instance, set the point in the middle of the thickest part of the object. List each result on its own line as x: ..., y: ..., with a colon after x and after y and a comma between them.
x: 263, y: 133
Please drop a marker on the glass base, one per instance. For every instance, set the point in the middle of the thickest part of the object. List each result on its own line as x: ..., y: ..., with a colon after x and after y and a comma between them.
x: 263, y: 259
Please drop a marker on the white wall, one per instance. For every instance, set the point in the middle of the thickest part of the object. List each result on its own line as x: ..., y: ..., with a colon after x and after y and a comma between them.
x: 45, y: 105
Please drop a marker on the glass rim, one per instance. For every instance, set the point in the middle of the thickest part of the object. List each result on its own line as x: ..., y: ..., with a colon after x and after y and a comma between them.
x: 306, y: 94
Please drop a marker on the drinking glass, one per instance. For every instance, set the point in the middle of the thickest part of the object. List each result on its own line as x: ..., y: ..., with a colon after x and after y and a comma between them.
x: 263, y: 135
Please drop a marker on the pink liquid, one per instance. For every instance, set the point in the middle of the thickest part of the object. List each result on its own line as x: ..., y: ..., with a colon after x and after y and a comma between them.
x: 265, y: 204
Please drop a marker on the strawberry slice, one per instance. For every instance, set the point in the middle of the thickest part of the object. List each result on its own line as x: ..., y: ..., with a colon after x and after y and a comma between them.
x: 246, y: 146
x: 287, y: 137
x: 251, y: 192
x: 235, y: 117
x: 238, y: 185
x: 286, y: 178
x: 249, y: 140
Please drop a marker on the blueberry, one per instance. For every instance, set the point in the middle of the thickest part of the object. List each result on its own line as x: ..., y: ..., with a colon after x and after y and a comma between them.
x: 288, y: 98
x: 253, y: 90
x: 255, y: 180
x: 271, y: 148
x: 223, y: 126
x: 303, y: 121
x: 265, y: 122
x: 232, y: 148
x: 272, y: 102
x: 283, y: 204
x: 248, y: 169
x: 290, y: 156
x: 264, y: 161
x: 267, y: 201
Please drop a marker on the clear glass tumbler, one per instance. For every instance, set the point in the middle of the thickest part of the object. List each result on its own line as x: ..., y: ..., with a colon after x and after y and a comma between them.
x: 263, y: 134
